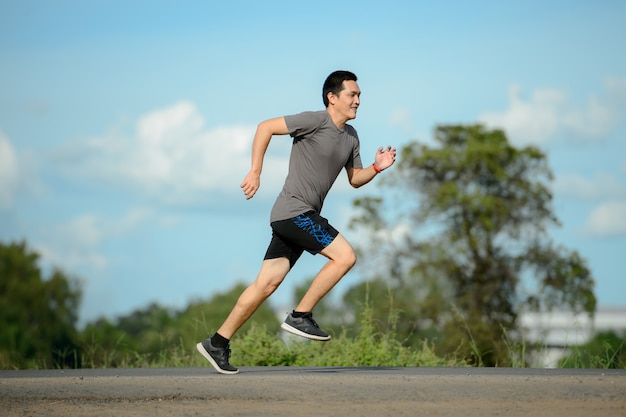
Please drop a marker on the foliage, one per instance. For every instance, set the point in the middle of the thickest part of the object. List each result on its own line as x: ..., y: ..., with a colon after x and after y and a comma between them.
x: 155, y: 333
x: 464, y: 240
x: 104, y: 345
x: 606, y: 350
x: 37, y: 314
x: 258, y: 346
x: 370, y: 348
x: 202, y: 318
x: 38, y: 317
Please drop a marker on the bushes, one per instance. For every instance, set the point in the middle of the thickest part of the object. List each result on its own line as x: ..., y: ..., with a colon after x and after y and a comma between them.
x: 260, y: 347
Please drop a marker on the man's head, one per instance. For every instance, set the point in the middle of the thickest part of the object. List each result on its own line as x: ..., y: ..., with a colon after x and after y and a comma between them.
x: 334, y: 83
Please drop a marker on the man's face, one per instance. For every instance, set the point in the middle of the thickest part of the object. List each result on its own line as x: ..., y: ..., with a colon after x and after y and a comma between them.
x: 348, y: 100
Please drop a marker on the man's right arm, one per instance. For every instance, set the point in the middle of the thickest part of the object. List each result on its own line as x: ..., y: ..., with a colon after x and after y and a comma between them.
x: 264, y: 132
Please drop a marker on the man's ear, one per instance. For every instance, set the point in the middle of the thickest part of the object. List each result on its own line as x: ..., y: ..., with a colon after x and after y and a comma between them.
x: 332, y: 98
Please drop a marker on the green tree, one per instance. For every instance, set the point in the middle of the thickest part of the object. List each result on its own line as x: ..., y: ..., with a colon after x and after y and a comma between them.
x: 37, y: 315
x: 142, y: 337
x: 104, y: 345
x: 465, y: 243
x: 153, y: 328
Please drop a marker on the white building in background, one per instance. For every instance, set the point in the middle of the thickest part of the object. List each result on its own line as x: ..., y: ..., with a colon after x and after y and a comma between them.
x: 560, y: 330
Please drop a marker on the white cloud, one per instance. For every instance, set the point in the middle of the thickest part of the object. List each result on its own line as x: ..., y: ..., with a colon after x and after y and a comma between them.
x: 607, y: 220
x: 533, y: 121
x: 173, y: 157
x: 601, y: 186
x: 608, y: 217
x: 8, y: 172
x: 71, y: 259
x: 616, y: 89
x: 549, y: 113
x: 75, y: 244
x: 401, y: 118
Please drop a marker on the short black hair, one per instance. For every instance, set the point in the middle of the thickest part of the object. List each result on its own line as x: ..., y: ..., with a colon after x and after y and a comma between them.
x: 334, y: 83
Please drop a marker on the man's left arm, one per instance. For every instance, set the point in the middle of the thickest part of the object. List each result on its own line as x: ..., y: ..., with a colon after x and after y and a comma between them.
x: 384, y: 159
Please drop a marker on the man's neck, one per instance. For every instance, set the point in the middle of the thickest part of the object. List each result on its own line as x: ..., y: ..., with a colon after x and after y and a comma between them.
x: 338, y: 120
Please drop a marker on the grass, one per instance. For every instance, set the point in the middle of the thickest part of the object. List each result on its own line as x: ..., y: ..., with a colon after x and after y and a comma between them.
x: 259, y: 347
x: 606, y: 356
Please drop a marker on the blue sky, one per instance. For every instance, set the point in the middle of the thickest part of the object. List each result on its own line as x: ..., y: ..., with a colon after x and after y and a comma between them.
x: 125, y: 126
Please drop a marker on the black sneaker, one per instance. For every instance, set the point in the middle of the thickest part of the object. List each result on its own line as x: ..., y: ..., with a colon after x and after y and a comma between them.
x: 304, y: 326
x: 217, y: 356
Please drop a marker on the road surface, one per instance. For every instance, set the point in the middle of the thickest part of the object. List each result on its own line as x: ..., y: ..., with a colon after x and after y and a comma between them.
x: 319, y: 392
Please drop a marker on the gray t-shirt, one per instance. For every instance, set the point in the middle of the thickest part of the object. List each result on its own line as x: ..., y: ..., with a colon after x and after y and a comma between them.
x: 319, y: 152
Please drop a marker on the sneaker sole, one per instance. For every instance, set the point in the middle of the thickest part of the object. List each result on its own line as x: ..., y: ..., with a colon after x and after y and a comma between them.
x: 208, y: 357
x: 300, y: 333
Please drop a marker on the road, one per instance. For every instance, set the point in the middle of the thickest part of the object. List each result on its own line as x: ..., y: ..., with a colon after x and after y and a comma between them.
x: 319, y: 392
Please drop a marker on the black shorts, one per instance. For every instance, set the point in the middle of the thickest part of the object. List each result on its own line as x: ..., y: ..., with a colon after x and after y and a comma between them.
x: 307, y: 232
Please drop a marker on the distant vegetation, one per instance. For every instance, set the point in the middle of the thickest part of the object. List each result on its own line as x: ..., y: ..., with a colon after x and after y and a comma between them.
x: 38, y: 319
x: 457, y: 248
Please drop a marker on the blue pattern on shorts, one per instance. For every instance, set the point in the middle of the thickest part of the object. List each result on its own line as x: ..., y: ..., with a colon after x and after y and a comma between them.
x: 308, y: 225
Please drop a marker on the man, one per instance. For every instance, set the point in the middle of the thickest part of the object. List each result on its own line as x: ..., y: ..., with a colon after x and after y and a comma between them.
x: 323, y: 145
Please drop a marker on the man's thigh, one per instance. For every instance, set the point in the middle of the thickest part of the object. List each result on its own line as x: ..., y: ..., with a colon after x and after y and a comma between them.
x: 339, y: 248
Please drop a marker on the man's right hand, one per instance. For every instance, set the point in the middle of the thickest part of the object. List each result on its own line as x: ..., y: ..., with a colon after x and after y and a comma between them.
x: 251, y: 184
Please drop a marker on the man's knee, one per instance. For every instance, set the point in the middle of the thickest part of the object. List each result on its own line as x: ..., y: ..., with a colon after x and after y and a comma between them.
x: 350, y: 258
x: 272, y: 274
x: 341, y: 252
x: 259, y: 291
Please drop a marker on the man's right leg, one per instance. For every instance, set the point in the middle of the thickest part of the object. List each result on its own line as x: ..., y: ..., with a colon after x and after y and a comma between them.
x: 271, y: 275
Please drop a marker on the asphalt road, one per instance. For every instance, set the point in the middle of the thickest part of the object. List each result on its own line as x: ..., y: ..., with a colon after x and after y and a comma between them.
x: 319, y: 392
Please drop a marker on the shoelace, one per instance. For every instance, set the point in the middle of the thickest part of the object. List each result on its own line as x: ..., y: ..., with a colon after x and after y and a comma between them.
x: 225, y: 353
x: 309, y: 319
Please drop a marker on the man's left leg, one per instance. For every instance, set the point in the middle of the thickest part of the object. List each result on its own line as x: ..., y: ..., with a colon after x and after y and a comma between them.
x: 341, y: 258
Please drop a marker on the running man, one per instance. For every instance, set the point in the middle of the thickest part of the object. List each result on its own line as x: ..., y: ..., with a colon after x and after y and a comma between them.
x: 323, y: 145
